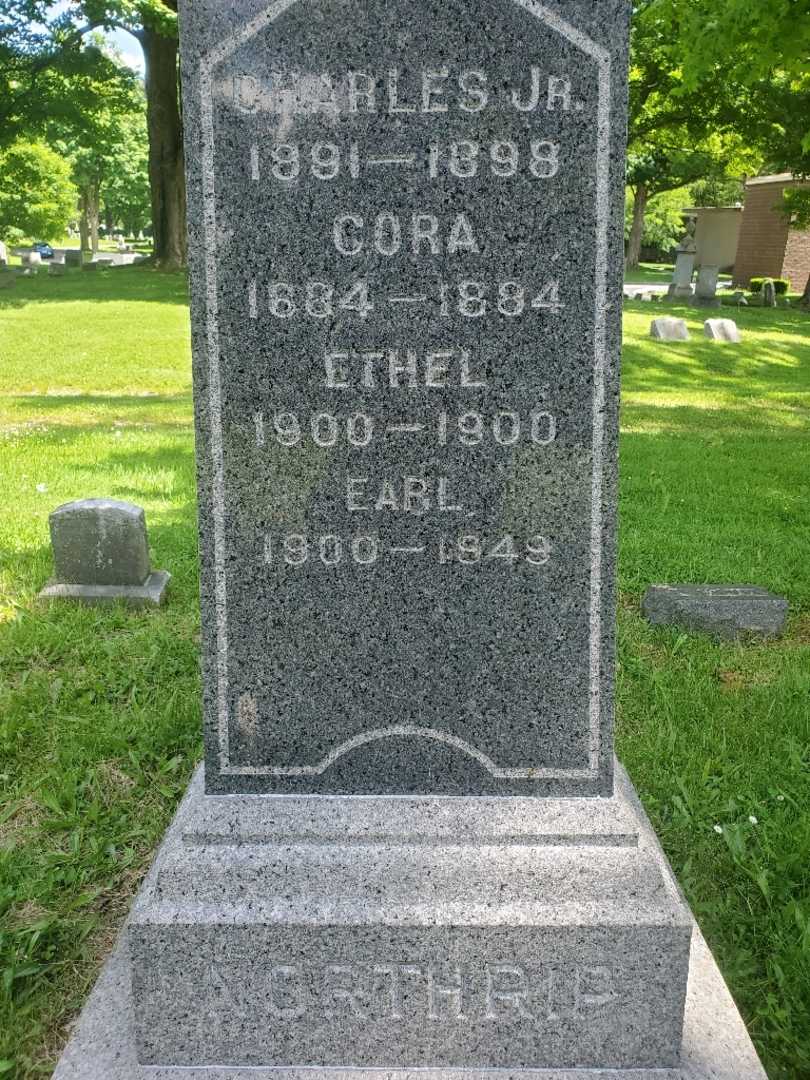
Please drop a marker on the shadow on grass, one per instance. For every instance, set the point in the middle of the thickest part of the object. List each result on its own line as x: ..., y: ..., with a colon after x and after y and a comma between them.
x: 707, y: 424
x: 127, y: 283
x: 140, y: 408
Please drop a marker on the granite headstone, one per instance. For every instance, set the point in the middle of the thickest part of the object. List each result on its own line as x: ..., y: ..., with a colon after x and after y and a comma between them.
x: 722, y: 330
x: 407, y: 393
x: 726, y: 611
x: 706, y: 287
x: 668, y: 328
x: 406, y: 403
x: 101, y: 555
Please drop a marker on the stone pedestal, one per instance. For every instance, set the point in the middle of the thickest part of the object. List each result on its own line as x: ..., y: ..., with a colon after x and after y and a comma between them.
x: 681, y: 286
x: 543, y: 938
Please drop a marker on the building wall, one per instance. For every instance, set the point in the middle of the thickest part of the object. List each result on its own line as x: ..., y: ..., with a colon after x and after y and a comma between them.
x: 763, y: 233
x: 717, y: 236
x: 796, y: 266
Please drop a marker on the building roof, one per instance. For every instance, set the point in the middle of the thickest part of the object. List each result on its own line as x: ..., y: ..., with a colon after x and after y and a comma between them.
x: 711, y: 209
x: 777, y: 178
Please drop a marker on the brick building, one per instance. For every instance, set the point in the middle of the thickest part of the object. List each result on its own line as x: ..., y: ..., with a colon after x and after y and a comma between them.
x: 768, y: 247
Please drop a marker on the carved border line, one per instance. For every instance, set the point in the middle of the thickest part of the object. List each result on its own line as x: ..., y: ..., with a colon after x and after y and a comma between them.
x: 207, y: 65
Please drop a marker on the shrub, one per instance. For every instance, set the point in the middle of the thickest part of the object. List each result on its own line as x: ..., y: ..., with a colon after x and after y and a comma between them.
x: 780, y: 284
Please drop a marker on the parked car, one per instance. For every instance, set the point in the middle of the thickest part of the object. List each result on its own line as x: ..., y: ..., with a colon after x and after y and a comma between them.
x: 45, y: 250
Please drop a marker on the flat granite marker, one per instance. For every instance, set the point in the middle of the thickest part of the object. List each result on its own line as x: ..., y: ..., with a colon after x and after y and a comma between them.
x: 407, y: 412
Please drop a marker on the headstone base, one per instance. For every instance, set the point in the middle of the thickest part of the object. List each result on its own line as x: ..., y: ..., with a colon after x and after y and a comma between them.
x: 446, y: 970
x: 151, y: 594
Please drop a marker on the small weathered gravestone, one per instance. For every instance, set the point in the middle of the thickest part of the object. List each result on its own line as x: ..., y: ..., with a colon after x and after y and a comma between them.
x: 56, y: 269
x: 706, y: 287
x: 668, y: 328
x: 411, y: 852
x: 90, y: 264
x: 73, y: 257
x: 31, y: 260
x: 101, y: 554
x: 725, y: 611
x: 722, y: 330
x: 768, y: 293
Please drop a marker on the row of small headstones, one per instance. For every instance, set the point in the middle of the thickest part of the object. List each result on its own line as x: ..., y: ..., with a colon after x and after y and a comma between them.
x: 668, y: 328
x: 101, y: 555
x: 767, y: 297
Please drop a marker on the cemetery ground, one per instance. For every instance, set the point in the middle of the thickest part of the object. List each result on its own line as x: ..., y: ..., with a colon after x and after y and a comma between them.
x: 99, y: 709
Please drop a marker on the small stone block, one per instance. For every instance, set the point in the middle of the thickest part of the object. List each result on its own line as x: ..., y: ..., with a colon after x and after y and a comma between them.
x: 151, y: 594
x: 722, y: 330
x: 729, y: 612
x: 100, y: 542
x: 669, y: 329
x: 90, y: 266
x: 56, y: 269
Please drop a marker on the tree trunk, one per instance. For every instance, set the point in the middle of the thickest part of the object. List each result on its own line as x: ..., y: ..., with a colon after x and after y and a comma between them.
x: 805, y: 300
x: 84, y: 228
x: 166, y: 166
x: 93, y: 214
x: 88, y: 219
x: 633, y: 256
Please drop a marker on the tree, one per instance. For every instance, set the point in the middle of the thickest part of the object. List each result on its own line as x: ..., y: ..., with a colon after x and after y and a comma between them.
x: 154, y: 24
x: 97, y: 148
x: 766, y: 49
x: 37, y: 195
x: 678, y: 133
x: 125, y: 191
x: 29, y: 59
x: 48, y: 75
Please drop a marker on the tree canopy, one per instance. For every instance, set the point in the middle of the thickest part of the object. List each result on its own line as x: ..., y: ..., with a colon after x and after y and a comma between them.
x: 37, y: 194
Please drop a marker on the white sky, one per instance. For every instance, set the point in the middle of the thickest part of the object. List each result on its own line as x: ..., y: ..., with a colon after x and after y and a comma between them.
x: 129, y: 47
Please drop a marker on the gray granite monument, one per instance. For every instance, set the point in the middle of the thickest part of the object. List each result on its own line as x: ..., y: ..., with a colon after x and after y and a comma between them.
x: 729, y: 612
x: 411, y: 848
x: 706, y: 287
x: 101, y: 555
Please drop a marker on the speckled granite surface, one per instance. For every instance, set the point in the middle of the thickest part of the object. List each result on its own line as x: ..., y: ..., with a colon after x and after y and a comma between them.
x: 447, y: 921
x: 406, y: 225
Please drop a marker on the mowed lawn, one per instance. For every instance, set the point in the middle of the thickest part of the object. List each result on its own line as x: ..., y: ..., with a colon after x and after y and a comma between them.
x: 99, y: 710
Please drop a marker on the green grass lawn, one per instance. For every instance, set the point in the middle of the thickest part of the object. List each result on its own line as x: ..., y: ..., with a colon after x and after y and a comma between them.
x: 652, y: 273
x: 99, y: 710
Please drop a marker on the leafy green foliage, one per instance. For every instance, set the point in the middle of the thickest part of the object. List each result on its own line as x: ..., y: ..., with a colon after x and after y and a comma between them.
x: 663, y: 220
x: 50, y: 74
x: 125, y: 187
x: 37, y: 195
